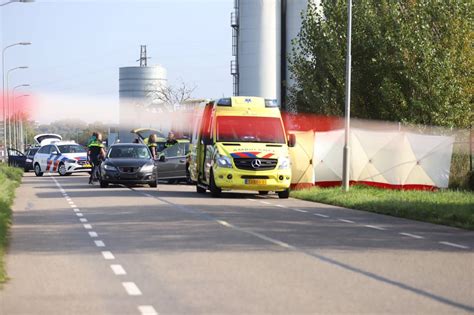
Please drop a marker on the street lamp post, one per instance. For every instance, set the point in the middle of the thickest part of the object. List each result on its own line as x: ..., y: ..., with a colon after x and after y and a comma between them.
x: 8, y: 103
x: 4, y: 103
x: 16, y: 123
x: 21, y: 143
x: 347, y: 121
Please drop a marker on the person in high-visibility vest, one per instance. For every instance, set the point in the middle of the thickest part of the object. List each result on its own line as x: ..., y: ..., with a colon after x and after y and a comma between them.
x: 96, y: 154
x: 153, y: 146
x: 171, y: 141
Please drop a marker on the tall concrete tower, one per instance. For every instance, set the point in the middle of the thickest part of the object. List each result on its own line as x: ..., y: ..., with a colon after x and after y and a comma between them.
x: 138, y: 87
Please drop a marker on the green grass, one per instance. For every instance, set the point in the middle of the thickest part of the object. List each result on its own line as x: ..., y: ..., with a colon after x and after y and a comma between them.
x: 448, y: 207
x: 9, y: 179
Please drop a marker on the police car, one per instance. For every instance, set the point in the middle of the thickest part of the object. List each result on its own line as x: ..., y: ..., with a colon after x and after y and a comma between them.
x: 63, y: 157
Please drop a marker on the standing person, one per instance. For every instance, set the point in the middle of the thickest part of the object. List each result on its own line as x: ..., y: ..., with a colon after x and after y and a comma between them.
x: 96, y: 153
x: 171, y: 141
x: 153, y: 146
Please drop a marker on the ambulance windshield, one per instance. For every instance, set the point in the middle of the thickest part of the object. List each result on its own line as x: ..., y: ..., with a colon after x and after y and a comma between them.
x: 250, y: 129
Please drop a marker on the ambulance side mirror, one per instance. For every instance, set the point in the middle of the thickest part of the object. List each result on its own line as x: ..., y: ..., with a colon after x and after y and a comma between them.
x: 291, y: 140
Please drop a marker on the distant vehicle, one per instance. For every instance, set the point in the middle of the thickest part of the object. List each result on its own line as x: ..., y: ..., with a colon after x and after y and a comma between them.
x: 173, y: 164
x: 16, y: 158
x: 30, y: 154
x: 241, y: 143
x: 63, y: 157
x: 128, y: 164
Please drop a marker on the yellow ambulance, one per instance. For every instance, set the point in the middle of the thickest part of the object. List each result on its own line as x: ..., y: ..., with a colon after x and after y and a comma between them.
x: 240, y: 143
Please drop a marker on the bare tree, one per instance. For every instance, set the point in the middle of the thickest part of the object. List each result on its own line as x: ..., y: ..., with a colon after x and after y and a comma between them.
x: 166, y: 97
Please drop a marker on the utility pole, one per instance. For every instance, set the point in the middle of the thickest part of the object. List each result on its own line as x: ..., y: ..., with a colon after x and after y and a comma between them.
x: 347, y: 121
x: 143, y: 57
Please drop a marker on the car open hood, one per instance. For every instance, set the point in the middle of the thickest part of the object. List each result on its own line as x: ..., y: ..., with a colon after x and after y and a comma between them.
x: 47, y: 138
x: 144, y: 133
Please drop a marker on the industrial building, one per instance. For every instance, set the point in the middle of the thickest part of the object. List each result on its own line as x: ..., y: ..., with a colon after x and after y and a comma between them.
x: 262, y: 31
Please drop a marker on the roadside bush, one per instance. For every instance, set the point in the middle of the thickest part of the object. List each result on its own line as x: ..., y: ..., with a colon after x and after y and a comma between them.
x: 9, y: 179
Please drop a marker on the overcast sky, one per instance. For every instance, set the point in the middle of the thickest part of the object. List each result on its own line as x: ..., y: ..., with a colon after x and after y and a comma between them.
x: 78, y: 46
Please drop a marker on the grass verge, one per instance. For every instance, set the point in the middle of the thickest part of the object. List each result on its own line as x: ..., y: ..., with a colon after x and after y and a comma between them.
x: 9, y: 179
x: 447, y: 207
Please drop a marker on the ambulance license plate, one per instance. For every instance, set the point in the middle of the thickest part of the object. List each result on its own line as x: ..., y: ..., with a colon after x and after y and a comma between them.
x: 256, y: 181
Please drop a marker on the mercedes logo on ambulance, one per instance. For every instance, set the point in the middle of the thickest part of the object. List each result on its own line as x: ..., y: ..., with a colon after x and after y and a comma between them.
x: 256, y: 163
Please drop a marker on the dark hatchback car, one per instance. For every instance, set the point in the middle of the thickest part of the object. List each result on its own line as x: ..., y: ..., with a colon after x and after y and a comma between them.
x: 128, y: 164
x: 30, y: 154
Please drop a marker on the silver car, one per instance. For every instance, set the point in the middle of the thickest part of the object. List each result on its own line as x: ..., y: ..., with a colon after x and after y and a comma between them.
x: 172, y: 163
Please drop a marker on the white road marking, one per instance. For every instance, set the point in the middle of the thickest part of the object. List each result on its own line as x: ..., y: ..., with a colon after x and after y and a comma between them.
x: 224, y: 223
x: 265, y: 203
x: 108, y: 255
x: 99, y: 243
x: 131, y: 288
x: 147, y: 310
x: 250, y: 199
x: 280, y: 206
x: 67, y: 198
x: 454, y: 245
x: 71, y: 202
x: 87, y: 226
x: 299, y: 210
x: 76, y: 210
x: 345, y: 221
x: 147, y: 195
x: 321, y: 215
x: 79, y: 214
x: 73, y: 206
x: 118, y: 270
x: 412, y: 235
x: 83, y: 220
x: 93, y: 234
x: 375, y: 227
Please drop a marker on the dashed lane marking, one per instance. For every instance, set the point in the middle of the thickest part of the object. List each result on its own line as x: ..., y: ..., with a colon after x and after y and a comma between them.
x: 265, y: 202
x: 88, y: 226
x: 79, y: 214
x: 108, y: 255
x: 76, y: 210
x: 281, y: 206
x: 83, y: 220
x: 345, y: 221
x: 321, y: 215
x: 118, y: 270
x: 131, y: 288
x: 224, y: 223
x: 147, y: 310
x: 93, y: 234
x: 299, y: 210
x: 99, y: 243
x: 73, y: 206
x: 375, y: 227
x: 411, y: 235
x: 454, y: 245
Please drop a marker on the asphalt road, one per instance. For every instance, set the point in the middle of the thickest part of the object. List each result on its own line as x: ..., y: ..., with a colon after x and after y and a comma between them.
x: 80, y: 249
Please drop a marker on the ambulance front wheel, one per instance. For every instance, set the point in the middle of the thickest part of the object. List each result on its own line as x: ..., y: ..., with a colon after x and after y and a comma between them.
x: 38, y: 171
x: 215, y: 191
x: 285, y: 194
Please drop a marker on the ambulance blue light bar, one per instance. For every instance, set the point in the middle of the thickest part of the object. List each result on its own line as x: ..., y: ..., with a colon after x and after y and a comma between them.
x: 271, y: 103
x: 224, y: 102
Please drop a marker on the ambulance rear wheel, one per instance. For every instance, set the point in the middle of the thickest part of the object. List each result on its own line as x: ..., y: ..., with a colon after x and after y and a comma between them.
x: 285, y: 194
x: 215, y: 191
x: 38, y: 171
x: 62, y: 169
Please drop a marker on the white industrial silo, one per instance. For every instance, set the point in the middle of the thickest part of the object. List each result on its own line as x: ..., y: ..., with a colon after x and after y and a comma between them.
x: 138, y: 90
x: 294, y: 10
x: 262, y: 35
x: 259, y: 48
